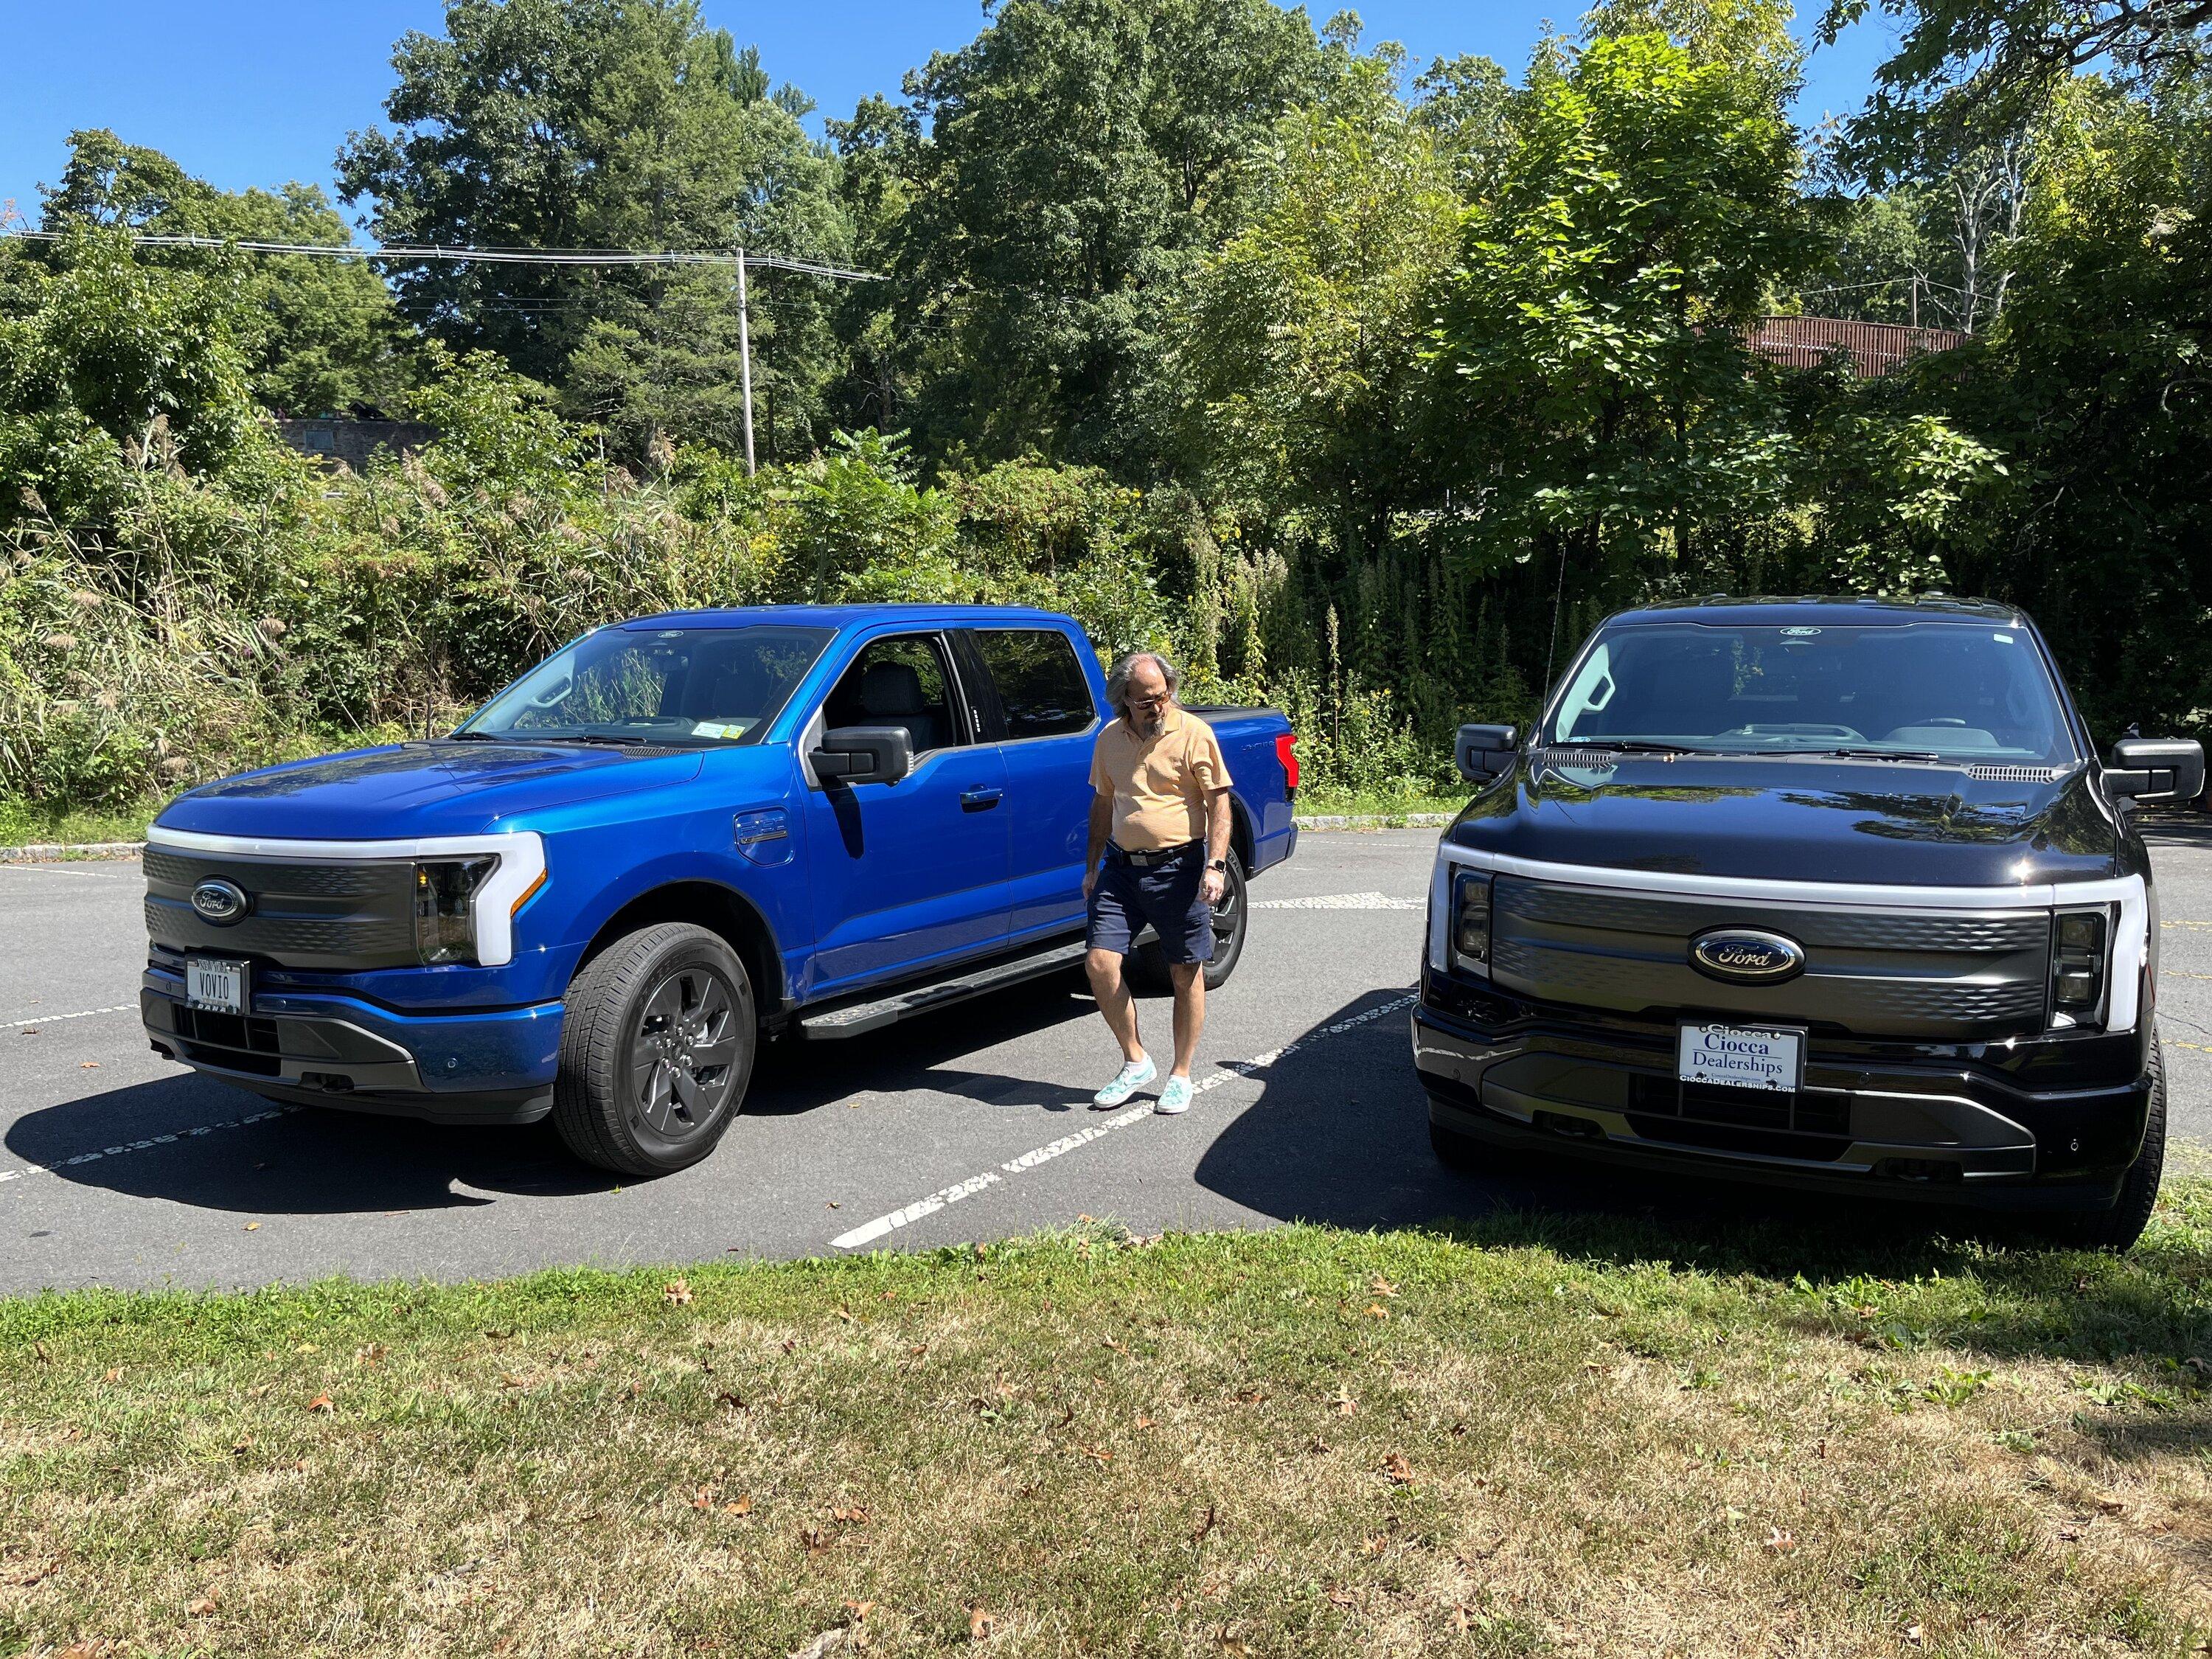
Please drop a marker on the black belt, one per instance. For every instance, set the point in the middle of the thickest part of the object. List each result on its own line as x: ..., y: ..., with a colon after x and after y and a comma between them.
x: 1158, y: 855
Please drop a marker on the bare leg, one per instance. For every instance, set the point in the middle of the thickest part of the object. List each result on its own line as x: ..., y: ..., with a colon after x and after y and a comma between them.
x: 1189, y: 978
x: 1115, y: 1002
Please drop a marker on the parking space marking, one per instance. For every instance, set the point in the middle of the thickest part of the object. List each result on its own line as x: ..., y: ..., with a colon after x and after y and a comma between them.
x: 56, y: 1019
x: 147, y: 1144
x: 1342, y: 901
x: 48, y: 870
x: 869, y: 1231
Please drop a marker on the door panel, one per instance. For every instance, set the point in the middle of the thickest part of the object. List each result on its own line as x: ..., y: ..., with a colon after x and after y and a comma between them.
x: 1042, y: 702
x: 910, y: 873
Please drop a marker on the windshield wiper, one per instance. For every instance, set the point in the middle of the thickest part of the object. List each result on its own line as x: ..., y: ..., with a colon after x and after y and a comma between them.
x: 1627, y: 745
x: 527, y: 738
x: 1870, y: 754
x: 477, y: 737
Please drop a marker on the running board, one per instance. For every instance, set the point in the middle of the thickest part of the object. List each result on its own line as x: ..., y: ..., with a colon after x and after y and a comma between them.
x: 865, y: 1017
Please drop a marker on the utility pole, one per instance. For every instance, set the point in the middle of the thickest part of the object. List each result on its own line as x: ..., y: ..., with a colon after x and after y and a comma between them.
x: 746, y: 360
x: 1916, y: 295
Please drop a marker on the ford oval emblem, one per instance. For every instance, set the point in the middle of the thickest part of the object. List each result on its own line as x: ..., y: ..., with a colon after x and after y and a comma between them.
x: 1746, y: 956
x: 220, y: 902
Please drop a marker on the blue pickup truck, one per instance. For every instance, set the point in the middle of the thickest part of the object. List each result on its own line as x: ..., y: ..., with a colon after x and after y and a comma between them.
x: 672, y: 838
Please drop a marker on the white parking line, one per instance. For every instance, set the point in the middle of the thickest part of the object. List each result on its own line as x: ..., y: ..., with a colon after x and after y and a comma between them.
x: 56, y: 1019
x: 1342, y: 901
x: 49, y: 870
x: 146, y: 1144
x: 869, y: 1231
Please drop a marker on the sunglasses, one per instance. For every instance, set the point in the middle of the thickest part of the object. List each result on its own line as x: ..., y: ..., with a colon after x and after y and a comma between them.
x: 1146, y: 702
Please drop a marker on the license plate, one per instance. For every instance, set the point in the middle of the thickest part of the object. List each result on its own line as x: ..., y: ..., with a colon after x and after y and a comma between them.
x: 1741, y: 1057
x: 215, y: 985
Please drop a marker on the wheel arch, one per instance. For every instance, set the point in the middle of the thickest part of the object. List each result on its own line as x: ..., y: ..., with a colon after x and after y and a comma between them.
x: 722, y: 910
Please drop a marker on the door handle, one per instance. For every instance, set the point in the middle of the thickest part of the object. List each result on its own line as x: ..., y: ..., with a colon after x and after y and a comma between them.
x: 980, y: 800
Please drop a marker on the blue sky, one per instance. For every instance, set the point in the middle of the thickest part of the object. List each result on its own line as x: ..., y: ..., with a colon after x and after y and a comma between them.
x: 257, y: 92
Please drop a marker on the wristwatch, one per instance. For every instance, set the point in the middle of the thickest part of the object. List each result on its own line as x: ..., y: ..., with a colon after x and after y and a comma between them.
x: 1218, y: 864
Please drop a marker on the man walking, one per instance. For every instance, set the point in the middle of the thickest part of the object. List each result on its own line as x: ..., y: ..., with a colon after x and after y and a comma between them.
x: 1160, y: 819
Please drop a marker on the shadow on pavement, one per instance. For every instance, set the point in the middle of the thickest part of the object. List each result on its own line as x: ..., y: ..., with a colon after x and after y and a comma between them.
x: 312, y: 1161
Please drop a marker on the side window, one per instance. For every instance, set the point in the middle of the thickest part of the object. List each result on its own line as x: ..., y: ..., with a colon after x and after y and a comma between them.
x: 1041, y: 683
x: 899, y: 680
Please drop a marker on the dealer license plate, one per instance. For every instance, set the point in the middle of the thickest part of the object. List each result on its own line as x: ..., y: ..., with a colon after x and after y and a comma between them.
x: 215, y: 984
x: 1742, y: 1056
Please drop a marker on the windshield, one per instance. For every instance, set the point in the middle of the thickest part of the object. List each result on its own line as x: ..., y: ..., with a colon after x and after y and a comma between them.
x: 1938, y: 691
x: 688, y: 686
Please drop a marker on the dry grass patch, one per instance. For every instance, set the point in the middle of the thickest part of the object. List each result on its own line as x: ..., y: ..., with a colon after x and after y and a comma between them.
x: 1537, y: 1436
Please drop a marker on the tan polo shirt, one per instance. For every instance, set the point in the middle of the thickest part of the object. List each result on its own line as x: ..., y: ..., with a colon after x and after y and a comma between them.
x: 1160, y: 784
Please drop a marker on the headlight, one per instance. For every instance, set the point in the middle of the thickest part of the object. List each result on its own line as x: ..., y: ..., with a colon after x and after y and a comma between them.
x: 444, y: 907
x: 2080, y: 956
x: 1470, y: 921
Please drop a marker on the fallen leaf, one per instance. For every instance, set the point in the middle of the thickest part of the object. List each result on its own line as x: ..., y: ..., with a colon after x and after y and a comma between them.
x: 1093, y: 1451
x: 1231, y: 1645
x: 1344, y: 1598
x: 980, y: 1625
x: 114, y: 1373
x: 252, y: 1226
x: 742, y: 1505
x: 510, y: 1380
x: 678, y: 1292
x: 843, y: 1314
x: 87, y: 1065
x: 1250, y: 1397
x: 918, y: 1351
x: 245, y: 1443
x: 369, y: 1354
x: 321, y: 1402
x: 1374, y: 1543
x: 27, y: 1576
x: 1398, y: 1469
x: 833, y: 1204
x: 256, y: 1393
x: 300, y: 1467
x: 2112, y: 1505
x: 1198, y: 1533
x: 791, y: 1345
x: 1145, y: 1423
x: 1377, y: 1310
x: 1381, y: 1287
x: 201, y: 1608
x: 856, y: 1516
x: 1780, y: 1542
x: 1344, y: 1405
x: 1912, y: 1634
x: 735, y: 1402
x: 817, y: 1541
x: 2070, y: 1534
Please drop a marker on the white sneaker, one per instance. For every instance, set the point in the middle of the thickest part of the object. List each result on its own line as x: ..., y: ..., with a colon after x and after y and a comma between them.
x: 1127, y: 1081
x: 1175, y: 1097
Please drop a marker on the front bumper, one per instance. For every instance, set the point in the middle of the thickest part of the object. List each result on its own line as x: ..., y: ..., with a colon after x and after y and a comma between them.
x: 1953, y: 1126
x: 344, y: 1052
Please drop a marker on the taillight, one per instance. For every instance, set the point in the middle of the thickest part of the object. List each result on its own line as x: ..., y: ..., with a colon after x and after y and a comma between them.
x: 1284, y: 746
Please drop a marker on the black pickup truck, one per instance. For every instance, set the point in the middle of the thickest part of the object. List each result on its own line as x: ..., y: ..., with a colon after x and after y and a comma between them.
x: 1829, y: 892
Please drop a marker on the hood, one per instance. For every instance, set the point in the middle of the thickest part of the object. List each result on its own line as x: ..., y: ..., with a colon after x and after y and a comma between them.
x: 411, y: 789
x: 1797, y: 818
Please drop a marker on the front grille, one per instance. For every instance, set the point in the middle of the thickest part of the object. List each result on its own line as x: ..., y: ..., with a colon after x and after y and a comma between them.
x: 304, y: 913
x: 1945, y: 977
x: 235, y: 1041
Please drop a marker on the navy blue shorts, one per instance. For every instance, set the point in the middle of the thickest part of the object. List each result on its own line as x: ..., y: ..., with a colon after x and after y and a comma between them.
x: 1166, y: 895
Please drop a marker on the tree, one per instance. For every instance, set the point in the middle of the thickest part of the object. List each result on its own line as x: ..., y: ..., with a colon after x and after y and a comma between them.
x: 605, y: 124
x: 320, y: 335
x: 1302, y: 355
x: 1596, y: 397
x: 1061, y: 171
x: 1967, y: 71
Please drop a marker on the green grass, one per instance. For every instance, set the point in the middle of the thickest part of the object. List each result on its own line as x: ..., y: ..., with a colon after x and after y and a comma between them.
x: 23, y: 822
x: 1532, y: 1435
x: 1366, y: 803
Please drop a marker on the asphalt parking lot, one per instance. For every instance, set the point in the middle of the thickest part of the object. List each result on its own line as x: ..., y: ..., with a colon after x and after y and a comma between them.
x: 119, y: 1168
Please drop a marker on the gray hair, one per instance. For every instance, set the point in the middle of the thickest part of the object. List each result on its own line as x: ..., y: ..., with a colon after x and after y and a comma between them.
x: 1117, y: 679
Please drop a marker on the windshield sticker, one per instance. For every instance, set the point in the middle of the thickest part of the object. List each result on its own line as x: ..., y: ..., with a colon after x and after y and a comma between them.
x: 2001, y: 639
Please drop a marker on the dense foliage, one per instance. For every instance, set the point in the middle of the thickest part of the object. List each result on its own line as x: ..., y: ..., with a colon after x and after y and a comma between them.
x: 1360, y: 388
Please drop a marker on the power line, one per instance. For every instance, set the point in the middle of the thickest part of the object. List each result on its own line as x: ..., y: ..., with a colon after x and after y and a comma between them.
x: 404, y: 252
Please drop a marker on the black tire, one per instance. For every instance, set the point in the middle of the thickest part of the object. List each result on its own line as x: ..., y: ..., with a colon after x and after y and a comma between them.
x: 657, y: 1049
x: 1147, y: 966
x: 2118, y: 1228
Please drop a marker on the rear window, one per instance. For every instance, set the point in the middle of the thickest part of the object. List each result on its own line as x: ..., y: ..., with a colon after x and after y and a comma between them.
x: 1955, y: 690
x: 1041, y: 683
